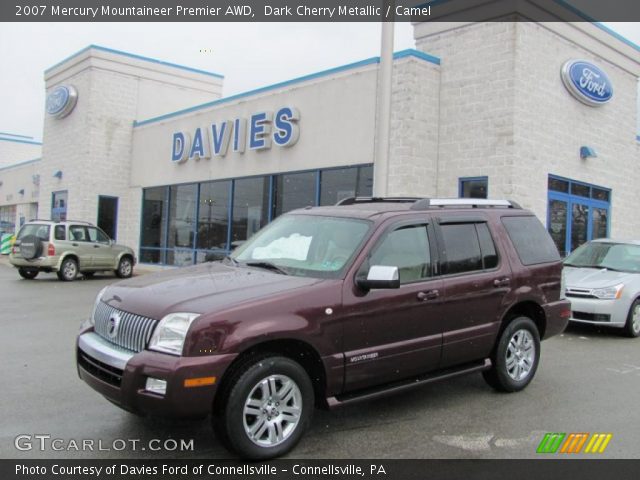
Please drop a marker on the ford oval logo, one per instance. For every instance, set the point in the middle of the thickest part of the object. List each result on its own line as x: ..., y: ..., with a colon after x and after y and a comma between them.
x: 61, y: 101
x: 587, y: 82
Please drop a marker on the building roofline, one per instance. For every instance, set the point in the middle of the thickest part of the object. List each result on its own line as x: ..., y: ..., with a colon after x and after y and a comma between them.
x: 135, y: 56
x: 19, y: 140
x: 7, y: 134
x: 323, y: 73
x: 20, y: 164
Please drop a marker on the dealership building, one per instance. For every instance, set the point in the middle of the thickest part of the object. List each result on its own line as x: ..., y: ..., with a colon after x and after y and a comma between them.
x: 541, y: 113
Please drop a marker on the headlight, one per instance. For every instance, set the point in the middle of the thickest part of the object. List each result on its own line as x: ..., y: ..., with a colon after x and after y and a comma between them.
x: 92, y: 318
x: 169, y: 335
x: 608, y: 293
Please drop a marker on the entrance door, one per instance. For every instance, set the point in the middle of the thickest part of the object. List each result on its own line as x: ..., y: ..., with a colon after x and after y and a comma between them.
x: 577, y: 212
x: 108, y: 215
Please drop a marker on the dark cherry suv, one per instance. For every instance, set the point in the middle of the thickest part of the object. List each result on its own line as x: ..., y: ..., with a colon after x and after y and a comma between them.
x: 328, y: 306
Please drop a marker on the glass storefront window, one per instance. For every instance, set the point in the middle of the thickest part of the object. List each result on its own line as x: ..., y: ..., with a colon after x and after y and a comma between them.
x: 186, y: 224
x: 579, y: 189
x: 182, y: 215
x: 558, y: 185
x: 294, y: 190
x: 250, y: 208
x: 59, y: 206
x: 340, y: 183
x: 599, y: 223
x: 154, y: 217
x: 213, y: 213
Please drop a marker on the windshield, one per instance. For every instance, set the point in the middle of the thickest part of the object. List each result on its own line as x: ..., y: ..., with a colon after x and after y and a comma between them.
x: 304, y: 245
x: 613, y: 256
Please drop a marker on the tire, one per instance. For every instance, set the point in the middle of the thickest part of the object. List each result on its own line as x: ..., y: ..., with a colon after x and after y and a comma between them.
x: 271, y: 396
x: 125, y: 268
x: 68, y: 270
x: 632, y: 327
x: 28, y: 273
x: 30, y: 247
x: 516, y: 356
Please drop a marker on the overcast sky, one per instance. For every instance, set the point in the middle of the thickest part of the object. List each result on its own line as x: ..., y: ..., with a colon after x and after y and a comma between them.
x: 248, y: 55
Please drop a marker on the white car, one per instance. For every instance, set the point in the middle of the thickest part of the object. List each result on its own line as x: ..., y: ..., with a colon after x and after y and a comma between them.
x: 602, y: 281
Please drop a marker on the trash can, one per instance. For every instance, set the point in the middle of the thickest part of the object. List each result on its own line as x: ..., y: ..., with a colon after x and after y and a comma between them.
x: 6, y: 241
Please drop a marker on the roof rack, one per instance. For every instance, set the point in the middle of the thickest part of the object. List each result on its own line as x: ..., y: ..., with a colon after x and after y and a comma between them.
x: 355, y: 200
x: 430, y: 203
x: 41, y: 220
x: 76, y: 221
x: 434, y: 203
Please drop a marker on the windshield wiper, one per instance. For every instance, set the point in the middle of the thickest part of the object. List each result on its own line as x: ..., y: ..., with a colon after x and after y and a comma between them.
x: 267, y: 266
x: 231, y: 260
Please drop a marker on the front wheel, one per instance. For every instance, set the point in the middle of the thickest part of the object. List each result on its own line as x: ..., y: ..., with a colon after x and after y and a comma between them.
x: 125, y: 268
x: 632, y: 327
x: 266, y: 409
x: 516, y: 356
x: 28, y: 273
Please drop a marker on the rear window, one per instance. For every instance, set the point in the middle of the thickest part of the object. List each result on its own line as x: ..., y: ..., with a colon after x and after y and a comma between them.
x: 59, y: 232
x: 531, y: 240
x: 39, y: 230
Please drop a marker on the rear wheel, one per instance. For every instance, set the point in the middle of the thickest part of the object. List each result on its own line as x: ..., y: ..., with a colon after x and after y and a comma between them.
x: 68, y: 270
x: 632, y: 327
x: 265, y: 408
x: 28, y: 273
x: 125, y: 268
x: 516, y: 356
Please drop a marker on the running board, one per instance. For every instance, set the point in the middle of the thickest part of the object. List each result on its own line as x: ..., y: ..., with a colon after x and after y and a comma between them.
x: 396, y: 387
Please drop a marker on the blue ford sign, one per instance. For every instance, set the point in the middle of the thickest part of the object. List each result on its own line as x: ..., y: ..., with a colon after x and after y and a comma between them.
x: 61, y: 101
x: 587, y: 82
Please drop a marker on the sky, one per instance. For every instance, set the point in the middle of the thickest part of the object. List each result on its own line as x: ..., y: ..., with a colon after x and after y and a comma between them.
x: 248, y: 55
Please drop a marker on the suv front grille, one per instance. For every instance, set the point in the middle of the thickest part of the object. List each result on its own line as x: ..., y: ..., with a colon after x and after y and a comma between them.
x: 131, y: 331
x: 104, y: 372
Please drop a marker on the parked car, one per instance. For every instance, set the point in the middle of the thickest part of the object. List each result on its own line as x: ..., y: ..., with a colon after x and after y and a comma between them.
x: 330, y: 306
x: 602, y: 279
x: 68, y: 248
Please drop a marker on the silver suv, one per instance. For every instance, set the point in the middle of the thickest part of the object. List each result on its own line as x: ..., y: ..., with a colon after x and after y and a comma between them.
x: 68, y: 248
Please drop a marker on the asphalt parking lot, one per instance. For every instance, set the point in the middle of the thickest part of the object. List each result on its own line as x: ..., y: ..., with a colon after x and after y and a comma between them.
x: 588, y: 381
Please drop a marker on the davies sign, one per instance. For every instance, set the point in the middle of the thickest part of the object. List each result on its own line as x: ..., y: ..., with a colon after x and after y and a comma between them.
x: 258, y: 132
x: 587, y: 82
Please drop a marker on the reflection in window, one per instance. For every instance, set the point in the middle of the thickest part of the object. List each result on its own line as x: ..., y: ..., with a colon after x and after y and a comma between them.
x: 182, y: 215
x: 294, y: 190
x: 213, y: 213
x: 408, y: 249
x: 250, y: 208
x: 599, y: 223
x: 558, y: 224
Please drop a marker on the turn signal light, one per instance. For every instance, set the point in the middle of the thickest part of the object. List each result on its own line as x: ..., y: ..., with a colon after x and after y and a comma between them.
x: 199, y: 382
x: 51, y: 250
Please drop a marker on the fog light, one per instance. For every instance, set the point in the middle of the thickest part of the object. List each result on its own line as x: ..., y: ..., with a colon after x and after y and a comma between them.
x: 155, y: 385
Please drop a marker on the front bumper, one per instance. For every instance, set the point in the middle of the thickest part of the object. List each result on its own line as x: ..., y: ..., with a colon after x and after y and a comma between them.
x: 596, y: 311
x: 120, y: 375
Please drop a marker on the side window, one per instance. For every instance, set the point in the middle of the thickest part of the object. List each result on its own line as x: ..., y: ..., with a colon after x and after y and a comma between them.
x: 59, y: 233
x: 487, y: 247
x: 408, y: 249
x: 93, y: 234
x: 102, y: 237
x: 531, y: 240
x: 462, y: 248
x: 78, y: 233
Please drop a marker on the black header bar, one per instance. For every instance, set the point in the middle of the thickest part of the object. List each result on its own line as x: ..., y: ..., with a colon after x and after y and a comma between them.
x: 318, y: 10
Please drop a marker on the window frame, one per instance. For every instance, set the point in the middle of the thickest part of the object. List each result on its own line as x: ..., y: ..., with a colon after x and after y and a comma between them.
x: 463, y: 180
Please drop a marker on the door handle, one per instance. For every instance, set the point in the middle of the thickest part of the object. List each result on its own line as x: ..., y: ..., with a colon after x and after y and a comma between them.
x: 501, y: 282
x: 428, y: 295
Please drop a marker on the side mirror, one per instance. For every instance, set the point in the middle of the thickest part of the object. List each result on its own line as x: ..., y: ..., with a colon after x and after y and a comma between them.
x: 380, y: 276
